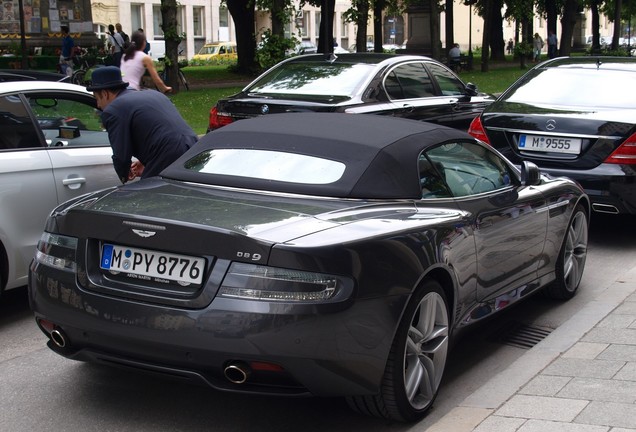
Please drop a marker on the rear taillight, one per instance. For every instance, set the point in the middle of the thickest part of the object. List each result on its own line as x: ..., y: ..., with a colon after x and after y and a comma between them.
x: 218, y: 120
x: 477, y: 130
x: 625, y: 153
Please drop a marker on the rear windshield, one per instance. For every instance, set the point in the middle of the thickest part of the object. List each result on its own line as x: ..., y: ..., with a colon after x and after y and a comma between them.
x: 267, y: 165
x: 590, y: 87
x: 320, y: 79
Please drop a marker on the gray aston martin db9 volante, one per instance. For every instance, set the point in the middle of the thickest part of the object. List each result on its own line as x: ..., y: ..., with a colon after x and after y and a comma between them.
x: 307, y: 254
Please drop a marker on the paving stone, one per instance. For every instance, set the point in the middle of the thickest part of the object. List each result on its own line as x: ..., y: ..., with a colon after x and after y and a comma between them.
x: 612, y: 336
x: 628, y: 372
x: 499, y: 424
x: 542, y: 408
x: 609, y: 414
x: 622, y: 430
x: 585, y: 350
x: 617, y: 321
x: 544, y: 385
x: 575, y: 367
x: 613, y: 390
x: 626, y: 308
x: 550, y: 426
x: 619, y: 353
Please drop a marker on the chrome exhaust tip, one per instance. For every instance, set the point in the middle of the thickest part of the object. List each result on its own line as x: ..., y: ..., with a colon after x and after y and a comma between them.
x: 58, y: 338
x: 237, y: 372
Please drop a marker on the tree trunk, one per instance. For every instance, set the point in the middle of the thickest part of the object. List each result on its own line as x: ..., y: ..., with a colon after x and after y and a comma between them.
x: 484, y: 37
x: 361, y: 22
x: 172, y: 39
x: 552, y: 16
x: 450, y: 31
x: 243, y: 15
x: 325, y: 36
x: 618, y: 4
x: 496, y: 38
x: 568, y: 21
x: 436, y: 43
x: 378, y: 7
x: 596, y: 25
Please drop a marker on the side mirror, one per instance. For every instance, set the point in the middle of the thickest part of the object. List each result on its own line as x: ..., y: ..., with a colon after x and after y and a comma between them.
x: 471, y: 89
x: 530, y: 174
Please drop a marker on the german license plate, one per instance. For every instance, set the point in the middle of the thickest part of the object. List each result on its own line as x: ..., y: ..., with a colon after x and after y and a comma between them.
x: 550, y: 144
x: 152, y: 265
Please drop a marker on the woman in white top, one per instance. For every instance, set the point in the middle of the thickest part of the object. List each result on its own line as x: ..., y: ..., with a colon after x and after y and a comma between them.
x: 135, y: 63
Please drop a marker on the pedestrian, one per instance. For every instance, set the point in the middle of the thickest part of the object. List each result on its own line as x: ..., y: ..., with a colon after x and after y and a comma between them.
x: 510, y: 46
x: 537, y: 46
x: 552, y: 44
x: 66, y: 54
x: 141, y: 124
x: 135, y: 63
x: 124, y: 36
x: 116, y: 43
x: 454, y: 56
x: 147, y: 48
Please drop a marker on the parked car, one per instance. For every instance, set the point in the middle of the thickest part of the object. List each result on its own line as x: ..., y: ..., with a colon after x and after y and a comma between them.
x: 30, y: 75
x: 52, y: 148
x: 218, y: 51
x: 306, y: 47
x: 307, y: 254
x: 572, y: 117
x: 412, y: 87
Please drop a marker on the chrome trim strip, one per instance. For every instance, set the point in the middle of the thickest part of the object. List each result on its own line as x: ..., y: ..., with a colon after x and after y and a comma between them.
x: 145, y: 226
x: 552, y: 133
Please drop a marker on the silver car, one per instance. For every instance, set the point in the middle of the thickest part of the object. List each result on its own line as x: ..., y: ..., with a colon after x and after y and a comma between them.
x: 52, y: 148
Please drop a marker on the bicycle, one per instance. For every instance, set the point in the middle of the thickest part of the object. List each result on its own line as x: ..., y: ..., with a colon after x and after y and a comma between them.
x: 82, y: 75
x: 164, y: 73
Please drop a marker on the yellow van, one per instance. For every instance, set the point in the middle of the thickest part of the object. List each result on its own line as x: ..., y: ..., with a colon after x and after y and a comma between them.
x: 217, y: 50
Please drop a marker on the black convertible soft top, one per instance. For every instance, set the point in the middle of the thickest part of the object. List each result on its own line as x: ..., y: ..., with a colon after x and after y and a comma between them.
x: 380, y: 153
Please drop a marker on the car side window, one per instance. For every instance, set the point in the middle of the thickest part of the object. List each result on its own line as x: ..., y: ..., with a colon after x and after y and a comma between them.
x: 68, y: 122
x: 448, y: 83
x: 431, y: 179
x: 409, y: 81
x: 469, y: 168
x: 18, y: 131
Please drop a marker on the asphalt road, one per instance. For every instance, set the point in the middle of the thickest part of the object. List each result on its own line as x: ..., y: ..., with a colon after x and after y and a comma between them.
x: 40, y: 391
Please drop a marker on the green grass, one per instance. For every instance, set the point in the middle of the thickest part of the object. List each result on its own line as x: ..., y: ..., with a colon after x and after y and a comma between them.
x: 194, y: 105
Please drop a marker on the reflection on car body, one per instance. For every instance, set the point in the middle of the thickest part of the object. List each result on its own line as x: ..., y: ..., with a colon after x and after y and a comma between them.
x: 307, y: 254
x: 413, y: 87
x: 52, y: 148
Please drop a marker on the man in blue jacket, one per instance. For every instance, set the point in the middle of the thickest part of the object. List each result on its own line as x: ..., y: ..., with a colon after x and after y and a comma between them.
x: 140, y: 124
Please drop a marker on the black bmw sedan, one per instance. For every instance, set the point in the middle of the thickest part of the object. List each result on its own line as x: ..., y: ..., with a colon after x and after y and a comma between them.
x: 407, y: 86
x: 572, y: 117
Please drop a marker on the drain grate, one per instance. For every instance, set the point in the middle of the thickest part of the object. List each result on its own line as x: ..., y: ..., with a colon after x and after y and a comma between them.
x: 522, y: 335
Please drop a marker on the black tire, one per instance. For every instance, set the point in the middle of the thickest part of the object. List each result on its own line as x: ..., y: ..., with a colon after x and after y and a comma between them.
x: 571, y: 261
x: 78, y: 77
x: 416, y: 361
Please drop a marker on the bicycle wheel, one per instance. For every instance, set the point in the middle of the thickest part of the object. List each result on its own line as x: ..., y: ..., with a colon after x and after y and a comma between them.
x: 78, y: 77
x: 183, y: 80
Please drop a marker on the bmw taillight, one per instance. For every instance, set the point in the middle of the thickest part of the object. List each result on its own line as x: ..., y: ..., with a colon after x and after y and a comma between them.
x: 625, y: 153
x: 476, y: 129
x: 218, y: 120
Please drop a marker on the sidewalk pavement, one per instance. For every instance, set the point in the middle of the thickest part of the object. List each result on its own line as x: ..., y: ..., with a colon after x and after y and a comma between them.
x: 581, y: 378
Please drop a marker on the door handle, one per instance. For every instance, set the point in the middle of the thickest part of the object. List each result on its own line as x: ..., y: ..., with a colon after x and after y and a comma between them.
x: 74, y: 182
x: 407, y: 108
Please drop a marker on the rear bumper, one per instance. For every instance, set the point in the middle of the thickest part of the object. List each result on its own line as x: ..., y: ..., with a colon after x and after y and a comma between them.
x: 321, y: 354
x: 611, y: 187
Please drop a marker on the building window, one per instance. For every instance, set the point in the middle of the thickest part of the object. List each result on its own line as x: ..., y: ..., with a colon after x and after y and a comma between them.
x: 100, y: 31
x: 344, y: 26
x: 317, y: 25
x: 157, y: 20
x: 223, y: 17
x: 197, y: 21
x: 136, y: 17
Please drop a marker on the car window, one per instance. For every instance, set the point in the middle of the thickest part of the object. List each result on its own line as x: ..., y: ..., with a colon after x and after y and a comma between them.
x: 18, y: 131
x: 469, y: 168
x: 68, y: 122
x: 448, y: 83
x: 431, y: 180
x: 409, y: 81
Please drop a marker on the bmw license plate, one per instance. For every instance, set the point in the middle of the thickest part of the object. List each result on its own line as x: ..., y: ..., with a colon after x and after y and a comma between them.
x: 152, y: 265
x: 550, y: 144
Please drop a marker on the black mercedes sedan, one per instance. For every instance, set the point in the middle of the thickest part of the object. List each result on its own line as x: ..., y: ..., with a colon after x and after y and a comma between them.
x: 307, y: 254
x: 572, y: 117
x: 407, y: 86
